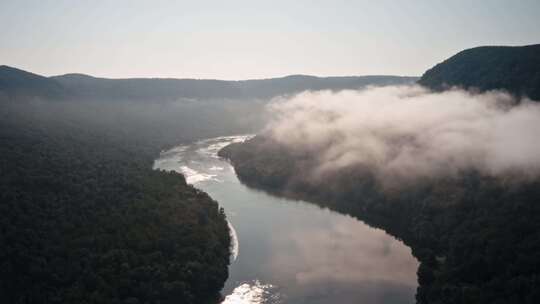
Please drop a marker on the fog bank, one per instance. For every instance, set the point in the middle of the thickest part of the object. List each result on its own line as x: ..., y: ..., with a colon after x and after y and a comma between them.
x: 408, y: 132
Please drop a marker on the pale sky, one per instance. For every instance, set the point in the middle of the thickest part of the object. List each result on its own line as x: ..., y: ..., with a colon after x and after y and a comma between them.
x: 254, y: 39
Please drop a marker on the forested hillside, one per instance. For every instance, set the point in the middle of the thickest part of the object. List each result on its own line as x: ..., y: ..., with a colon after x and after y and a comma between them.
x: 85, y: 219
x: 514, y: 69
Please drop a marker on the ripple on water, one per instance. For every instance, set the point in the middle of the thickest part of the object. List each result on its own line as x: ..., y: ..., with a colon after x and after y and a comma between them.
x: 254, y: 292
x: 193, y: 176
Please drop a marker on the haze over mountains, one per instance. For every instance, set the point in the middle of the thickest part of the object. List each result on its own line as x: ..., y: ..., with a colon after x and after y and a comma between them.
x: 514, y: 69
x: 19, y: 83
x: 15, y: 82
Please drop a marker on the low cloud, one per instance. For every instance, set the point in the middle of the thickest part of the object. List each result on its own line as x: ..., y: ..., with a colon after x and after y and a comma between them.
x: 408, y: 132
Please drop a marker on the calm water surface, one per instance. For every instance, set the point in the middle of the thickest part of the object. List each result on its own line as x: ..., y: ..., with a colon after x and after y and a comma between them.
x: 289, y: 251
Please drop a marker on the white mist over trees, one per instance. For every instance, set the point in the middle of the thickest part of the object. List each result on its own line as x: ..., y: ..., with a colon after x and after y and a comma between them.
x: 406, y: 132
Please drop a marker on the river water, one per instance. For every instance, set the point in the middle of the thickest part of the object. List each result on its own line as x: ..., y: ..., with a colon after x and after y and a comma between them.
x: 287, y: 251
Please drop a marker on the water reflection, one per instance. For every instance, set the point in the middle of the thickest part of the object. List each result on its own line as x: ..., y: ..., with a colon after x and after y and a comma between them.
x: 254, y: 293
x: 346, y: 253
x: 295, y: 252
x: 344, y: 260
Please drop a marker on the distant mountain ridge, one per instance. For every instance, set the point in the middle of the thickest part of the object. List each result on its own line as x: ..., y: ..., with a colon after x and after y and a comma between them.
x: 515, y: 69
x: 15, y: 82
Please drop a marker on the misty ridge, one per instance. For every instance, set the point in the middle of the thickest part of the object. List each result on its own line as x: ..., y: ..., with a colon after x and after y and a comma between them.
x: 406, y: 133
x: 16, y: 84
x: 164, y: 111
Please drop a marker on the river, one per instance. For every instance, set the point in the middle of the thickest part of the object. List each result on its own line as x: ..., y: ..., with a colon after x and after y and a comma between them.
x: 287, y: 251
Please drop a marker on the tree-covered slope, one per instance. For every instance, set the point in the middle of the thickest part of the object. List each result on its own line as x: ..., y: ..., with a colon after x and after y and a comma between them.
x: 85, y: 219
x: 515, y: 69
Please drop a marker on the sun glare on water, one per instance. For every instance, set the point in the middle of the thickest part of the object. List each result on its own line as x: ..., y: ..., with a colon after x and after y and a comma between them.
x: 253, y: 293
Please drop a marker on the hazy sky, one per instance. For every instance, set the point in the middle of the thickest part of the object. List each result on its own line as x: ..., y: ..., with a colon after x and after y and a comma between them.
x: 254, y: 39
